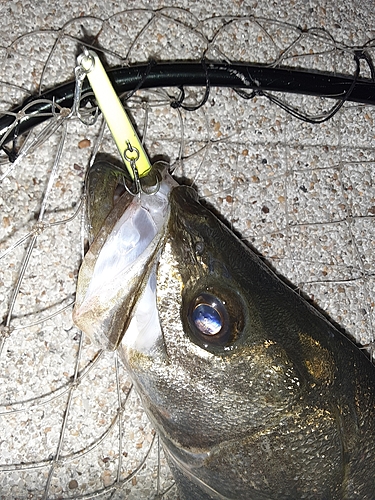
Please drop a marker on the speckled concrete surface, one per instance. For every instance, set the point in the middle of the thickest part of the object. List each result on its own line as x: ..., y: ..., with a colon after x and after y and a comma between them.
x: 303, y: 195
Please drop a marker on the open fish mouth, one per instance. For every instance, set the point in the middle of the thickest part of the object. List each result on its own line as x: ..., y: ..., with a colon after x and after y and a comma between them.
x: 117, y: 277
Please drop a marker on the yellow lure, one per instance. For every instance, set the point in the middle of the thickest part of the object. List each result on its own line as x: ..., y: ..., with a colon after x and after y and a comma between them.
x: 122, y: 130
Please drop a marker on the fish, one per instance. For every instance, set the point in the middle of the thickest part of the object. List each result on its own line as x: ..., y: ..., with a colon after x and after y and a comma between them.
x: 254, y: 393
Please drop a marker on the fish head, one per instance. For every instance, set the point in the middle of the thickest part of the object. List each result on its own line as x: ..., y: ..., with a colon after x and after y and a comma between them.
x: 254, y: 394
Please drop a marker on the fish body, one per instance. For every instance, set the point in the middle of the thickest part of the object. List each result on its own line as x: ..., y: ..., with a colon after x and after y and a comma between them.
x: 254, y: 393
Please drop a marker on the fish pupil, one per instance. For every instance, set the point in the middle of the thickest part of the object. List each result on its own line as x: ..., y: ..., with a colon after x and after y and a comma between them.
x: 207, y: 319
x: 213, y: 321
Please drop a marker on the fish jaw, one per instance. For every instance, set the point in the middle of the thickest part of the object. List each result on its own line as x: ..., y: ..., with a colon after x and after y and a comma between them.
x: 117, y: 274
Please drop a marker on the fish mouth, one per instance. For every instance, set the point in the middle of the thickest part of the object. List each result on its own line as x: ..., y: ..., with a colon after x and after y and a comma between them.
x: 116, y: 290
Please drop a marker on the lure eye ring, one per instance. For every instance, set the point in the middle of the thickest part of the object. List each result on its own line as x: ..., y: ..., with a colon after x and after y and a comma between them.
x: 131, y: 157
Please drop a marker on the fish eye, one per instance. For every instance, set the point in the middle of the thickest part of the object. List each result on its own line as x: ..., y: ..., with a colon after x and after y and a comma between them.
x: 213, y: 321
x: 209, y: 315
